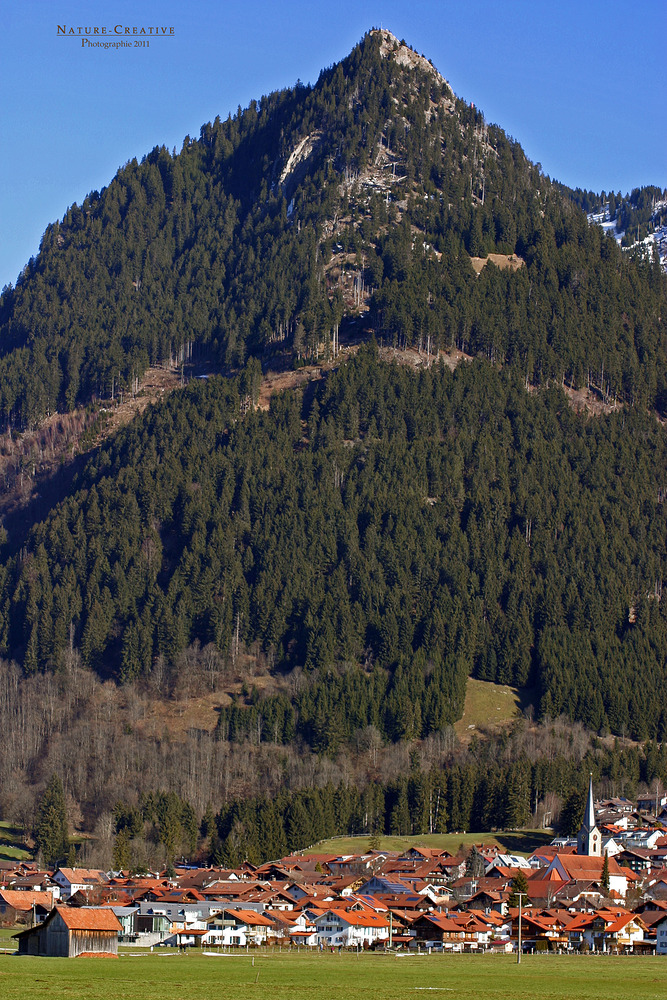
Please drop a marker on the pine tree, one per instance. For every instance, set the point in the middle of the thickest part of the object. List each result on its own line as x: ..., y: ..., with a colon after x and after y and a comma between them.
x: 50, y: 832
x: 518, y: 885
x: 604, y: 881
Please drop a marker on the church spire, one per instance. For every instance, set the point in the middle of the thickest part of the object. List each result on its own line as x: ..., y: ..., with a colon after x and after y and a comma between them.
x: 589, y: 820
x: 589, y: 840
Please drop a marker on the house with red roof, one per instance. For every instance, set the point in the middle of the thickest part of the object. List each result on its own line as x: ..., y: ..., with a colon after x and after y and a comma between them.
x: 541, y: 929
x: 587, y: 868
x: 239, y: 927
x: 609, y: 929
x: 339, y: 928
x: 461, y: 931
x: 71, y: 880
x: 20, y: 905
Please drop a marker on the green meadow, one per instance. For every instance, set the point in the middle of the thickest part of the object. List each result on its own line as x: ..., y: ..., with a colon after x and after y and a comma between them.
x: 324, y: 976
x: 512, y: 842
x: 12, y: 847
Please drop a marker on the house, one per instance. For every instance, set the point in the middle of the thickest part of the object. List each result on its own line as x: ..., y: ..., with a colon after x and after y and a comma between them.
x: 291, y: 928
x: 453, y: 868
x: 34, y: 882
x: 541, y: 930
x: 545, y: 891
x: 488, y: 900
x: 127, y: 919
x: 71, y: 932
x: 644, y: 838
x: 392, y: 886
x: 452, y: 931
x: 655, y: 886
x: 71, y: 880
x: 651, y: 803
x: 621, y: 805
x: 508, y: 861
x: 637, y: 859
x: 576, y: 868
x: 660, y: 928
x: 19, y: 906
x: 578, y: 931
x: 607, y: 930
x: 617, y: 930
x: 151, y: 926
x: 239, y: 927
x: 338, y: 928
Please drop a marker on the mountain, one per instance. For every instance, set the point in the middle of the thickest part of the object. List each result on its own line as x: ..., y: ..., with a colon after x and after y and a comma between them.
x: 372, y: 188
x: 331, y: 572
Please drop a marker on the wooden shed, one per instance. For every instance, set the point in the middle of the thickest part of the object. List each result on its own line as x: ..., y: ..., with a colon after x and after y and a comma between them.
x: 68, y: 932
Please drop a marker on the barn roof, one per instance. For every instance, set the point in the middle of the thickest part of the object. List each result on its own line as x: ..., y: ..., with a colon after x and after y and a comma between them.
x: 83, y: 918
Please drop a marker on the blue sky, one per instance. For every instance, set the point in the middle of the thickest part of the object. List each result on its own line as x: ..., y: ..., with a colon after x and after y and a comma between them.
x: 580, y: 85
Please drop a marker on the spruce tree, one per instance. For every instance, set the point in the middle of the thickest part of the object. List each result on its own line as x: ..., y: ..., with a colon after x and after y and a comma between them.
x: 604, y: 882
x: 51, y: 823
x: 519, y: 886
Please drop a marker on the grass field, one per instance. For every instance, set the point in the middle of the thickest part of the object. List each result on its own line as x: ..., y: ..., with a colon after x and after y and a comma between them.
x: 11, y: 843
x: 489, y: 707
x: 512, y: 842
x: 332, y: 977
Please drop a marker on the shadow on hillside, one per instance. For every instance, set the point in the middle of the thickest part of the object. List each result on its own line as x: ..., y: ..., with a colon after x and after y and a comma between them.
x: 11, y: 842
x: 50, y: 490
x: 520, y: 842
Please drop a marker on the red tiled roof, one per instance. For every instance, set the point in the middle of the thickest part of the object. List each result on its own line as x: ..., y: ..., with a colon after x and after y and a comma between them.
x: 22, y: 899
x: 357, y: 918
x: 83, y: 919
x: 80, y: 875
x: 251, y: 917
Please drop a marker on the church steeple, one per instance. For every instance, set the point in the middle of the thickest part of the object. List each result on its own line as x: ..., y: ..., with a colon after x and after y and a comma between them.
x: 589, y: 841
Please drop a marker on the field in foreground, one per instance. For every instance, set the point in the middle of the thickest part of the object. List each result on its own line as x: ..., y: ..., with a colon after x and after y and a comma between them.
x: 332, y: 977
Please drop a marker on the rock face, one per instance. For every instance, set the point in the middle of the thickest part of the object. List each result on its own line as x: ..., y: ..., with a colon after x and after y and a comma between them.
x: 401, y: 53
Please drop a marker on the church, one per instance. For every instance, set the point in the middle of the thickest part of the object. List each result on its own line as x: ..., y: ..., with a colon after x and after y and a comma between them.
x: 589, y: 839
x: 585, y: 867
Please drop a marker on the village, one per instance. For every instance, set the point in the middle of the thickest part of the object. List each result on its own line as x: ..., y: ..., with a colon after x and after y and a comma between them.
x: 603, y: 892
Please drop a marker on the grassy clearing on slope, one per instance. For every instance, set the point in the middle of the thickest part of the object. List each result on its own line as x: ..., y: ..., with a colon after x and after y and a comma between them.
x: 512, y: 842
x: 332, y: 977
x: 490, y: 707
x: 11, y: 843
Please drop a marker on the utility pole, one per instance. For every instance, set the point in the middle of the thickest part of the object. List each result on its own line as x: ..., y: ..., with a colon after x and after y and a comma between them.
x: 518, y: 954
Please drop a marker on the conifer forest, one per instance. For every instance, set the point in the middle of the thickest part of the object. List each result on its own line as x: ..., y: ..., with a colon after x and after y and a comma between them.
x: 329, y: 568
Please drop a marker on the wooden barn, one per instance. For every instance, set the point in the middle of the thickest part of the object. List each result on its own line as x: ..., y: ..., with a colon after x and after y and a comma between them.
x: 69, y: 932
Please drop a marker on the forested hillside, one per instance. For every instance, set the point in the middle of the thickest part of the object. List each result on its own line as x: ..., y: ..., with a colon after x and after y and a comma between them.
x: 409, y: 528
x: 377, y: 536
x: 373, y: 187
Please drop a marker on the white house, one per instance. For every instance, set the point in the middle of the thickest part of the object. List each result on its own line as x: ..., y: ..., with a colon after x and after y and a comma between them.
x: 71, y: 880
x: 238, y: 927
x: 350, y: 929
x: 572, y: 867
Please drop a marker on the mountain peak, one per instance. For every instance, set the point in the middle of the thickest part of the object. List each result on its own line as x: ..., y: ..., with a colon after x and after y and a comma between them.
x: 400, y: 52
